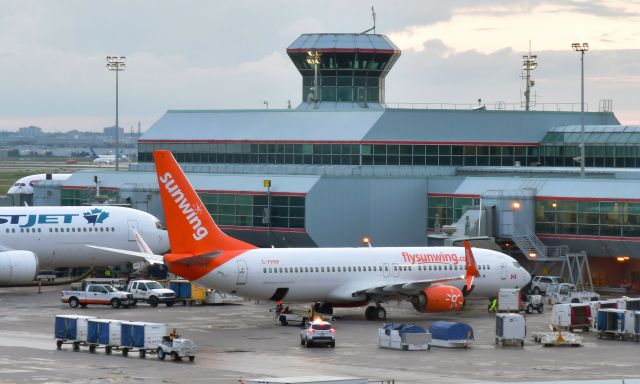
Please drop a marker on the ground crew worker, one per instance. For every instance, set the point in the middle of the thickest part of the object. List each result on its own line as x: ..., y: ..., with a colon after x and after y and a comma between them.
x: 493, y: 307
x: 173, y: 334
x: 107, y: 272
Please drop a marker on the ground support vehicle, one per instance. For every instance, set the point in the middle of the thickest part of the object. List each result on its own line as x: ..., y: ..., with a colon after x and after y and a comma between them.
x: 450, y: 334
x: 509, y: 300
x: 567, y: 293
x: 97, y: 294
x: 511, y: 328
x: 308, y: 380
x: 71, y: 329
x: 213, y: 297
x: 296, y: 316
x: 103, y: 333
x: 177, y: 348
x: 141, y: 337
x: 610, y: 323
x: 150, y: 291
x: 404, y: 337
x: 572, y: 316
x: 318, y: 332
x: 557, y: 338
x: 187, y: 292
x: 534, y: 303
x: 540, y: 284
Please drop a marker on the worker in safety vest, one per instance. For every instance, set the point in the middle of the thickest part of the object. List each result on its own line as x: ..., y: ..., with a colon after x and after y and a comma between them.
x: 493, y: 307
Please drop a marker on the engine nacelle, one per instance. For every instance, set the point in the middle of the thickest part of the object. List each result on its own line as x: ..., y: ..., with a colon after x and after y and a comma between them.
x: 17, y: 267
x: 440, y: 298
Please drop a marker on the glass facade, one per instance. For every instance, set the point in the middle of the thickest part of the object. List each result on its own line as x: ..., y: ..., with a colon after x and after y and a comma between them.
x: 345, y: 154
x: 588, y: 218
x: 447, y: 209
x: 75, y: 197
x: 251, y: 210
x: 595, y: 156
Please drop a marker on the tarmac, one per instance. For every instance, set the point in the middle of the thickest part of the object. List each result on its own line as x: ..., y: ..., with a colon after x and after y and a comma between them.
x: 243, y: 341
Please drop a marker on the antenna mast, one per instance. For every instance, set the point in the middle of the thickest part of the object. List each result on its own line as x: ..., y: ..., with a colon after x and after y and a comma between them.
x: 528, y: 65
x: 373, y: 15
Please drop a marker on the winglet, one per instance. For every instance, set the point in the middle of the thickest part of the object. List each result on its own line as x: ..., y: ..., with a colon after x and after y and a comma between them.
x: 472, y: 268
x: 190, y: 226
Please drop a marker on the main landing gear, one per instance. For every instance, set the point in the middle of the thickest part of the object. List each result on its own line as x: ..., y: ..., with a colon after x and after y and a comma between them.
x: 375, y: 313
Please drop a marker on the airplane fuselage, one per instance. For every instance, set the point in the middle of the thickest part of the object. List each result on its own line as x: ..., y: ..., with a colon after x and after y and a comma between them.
x: 59, y: 235
x: 334, y: 274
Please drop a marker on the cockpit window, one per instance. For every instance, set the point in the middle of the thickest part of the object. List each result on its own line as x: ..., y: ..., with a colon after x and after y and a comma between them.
x: 516, y: 264
x: 159, y: 225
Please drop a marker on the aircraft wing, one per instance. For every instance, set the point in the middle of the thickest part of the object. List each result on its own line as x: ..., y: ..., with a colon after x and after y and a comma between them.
x: 405, y: 288
x: 149, y: 257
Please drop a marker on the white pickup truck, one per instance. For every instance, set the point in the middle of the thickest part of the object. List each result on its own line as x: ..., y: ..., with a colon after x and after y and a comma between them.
x: 151, y: 292
x: 567, y: 293
x: 97, y: 294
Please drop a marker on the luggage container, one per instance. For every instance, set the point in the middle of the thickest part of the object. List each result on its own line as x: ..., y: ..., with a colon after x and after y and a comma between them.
x: 140, y: 336
x: 511, y: 328
x: 610, y: 323
x: 450, y: 334
x: 188, y: 292
x: 629, y: 303
x: 596, y: 306
x: 509, y: 300
x: 636, y: 326
x: 71, y: 328
x: 571, y: 316
x: 103, y: 333
x: 404, y: 337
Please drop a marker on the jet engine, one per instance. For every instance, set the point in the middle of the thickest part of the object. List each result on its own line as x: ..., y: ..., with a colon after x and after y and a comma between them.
x: 439, y: 298
x: 17, y: 267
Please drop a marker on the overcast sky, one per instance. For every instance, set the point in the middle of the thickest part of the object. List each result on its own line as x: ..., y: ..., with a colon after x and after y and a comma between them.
x: 196, y: 54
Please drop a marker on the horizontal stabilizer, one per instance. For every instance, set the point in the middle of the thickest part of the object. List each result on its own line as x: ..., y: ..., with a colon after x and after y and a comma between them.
x: 149, y: 257
x: 191, y: 259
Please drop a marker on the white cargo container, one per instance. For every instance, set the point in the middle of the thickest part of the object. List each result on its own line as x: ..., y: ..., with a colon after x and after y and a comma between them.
x: 142, y: 336
x: 510, y: 328
x: 629, y: 303
x: 572, y: 316
x: 404, y: 337
x: 308, y: 380
x: 71, y: 328
x: 103, y: 332
x: 509, y: 300
x: 596, y: 306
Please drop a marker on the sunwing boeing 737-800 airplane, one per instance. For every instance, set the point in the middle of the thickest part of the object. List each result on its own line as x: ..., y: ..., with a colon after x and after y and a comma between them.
x: 433, y: 279
x: 33, y: 238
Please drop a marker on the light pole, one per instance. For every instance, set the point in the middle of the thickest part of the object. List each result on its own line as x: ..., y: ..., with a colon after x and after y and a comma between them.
x: 313, y: 58
x: 582, y: 48
x: 115, y: 63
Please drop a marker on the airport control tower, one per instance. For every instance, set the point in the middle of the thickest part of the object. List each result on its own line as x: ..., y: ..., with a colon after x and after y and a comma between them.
x: 343, y: 70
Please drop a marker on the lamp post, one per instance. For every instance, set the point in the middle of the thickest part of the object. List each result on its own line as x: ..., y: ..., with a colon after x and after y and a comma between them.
x: 117, y: 64
x: 582, y: 48
x: 313, y: 58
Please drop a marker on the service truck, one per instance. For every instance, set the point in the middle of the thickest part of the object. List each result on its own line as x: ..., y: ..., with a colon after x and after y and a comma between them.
x: 151, y: 292
x: 567, y: 293
x: 97, y: 294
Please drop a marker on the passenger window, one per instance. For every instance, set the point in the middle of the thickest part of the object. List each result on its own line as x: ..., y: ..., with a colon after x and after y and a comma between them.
x: 264, y: 270
x: 395, y: 268
x: 280, y: 270
x: 369, y: 268
x: 350, y: 269
x: 339, y: 270
x: 386, y: 268
x: 317, y: 269
x: 39, y: 230
x: 333, y: 269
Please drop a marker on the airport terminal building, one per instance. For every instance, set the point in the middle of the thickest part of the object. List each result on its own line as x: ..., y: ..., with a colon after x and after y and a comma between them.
x: 343, y: 165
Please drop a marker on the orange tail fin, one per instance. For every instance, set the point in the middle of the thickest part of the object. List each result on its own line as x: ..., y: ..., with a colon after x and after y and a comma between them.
x: 190, y: 226
x: 472, y: 268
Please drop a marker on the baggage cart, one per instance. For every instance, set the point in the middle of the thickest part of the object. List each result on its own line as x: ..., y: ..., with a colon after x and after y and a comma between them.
x: 571, y: 316
x: 629, y: 303
x: 509, y: 300
x: 71, y: 329
x: 450, y: 334
x: 596, y: 306
x: 636, y: 326
x: 103, y: 333
x: 511, y: 328
x: 557, y: 339
x: 187, y: 292
x: 404, y: 337
x: 610, y: 323
x: 141, y: 337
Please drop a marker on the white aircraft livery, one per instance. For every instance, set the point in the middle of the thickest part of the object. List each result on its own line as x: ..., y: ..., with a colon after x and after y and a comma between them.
x: 433, y: 279
x: 24, y: 185
x: 33, y: 238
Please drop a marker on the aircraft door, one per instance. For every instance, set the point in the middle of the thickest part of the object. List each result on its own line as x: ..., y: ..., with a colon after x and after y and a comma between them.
x: 503, y: 270
x: 394, y: 271
x: 385, y: 271
x: 133, y: 228
x: 242, y: 272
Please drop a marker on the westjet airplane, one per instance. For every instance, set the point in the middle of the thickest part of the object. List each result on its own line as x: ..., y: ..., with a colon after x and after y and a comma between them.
x: 33, y: 238
x: 105, y: 159
x: 433, y: 279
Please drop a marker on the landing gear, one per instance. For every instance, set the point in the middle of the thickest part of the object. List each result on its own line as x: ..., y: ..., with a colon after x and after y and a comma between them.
x: 375, y: 313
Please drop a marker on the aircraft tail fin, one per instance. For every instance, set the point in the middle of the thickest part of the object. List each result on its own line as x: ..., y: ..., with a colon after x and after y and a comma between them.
x: 472, y: 268
x: 94, y: 155
x: 191, y: 228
